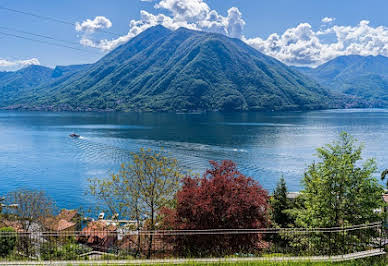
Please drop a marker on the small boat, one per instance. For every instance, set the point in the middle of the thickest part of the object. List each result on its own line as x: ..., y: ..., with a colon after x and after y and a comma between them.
x: 73, y: 135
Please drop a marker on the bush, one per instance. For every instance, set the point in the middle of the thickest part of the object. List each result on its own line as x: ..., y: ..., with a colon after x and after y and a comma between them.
x: 69, y: 251
x: 7, y: 241
x: 222, y: 199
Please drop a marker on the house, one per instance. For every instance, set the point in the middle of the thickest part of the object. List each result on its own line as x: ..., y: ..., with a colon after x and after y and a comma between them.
x: 100, y: 235
x: 16, y: 225
x: 292, y: 195
x: 65, y: 221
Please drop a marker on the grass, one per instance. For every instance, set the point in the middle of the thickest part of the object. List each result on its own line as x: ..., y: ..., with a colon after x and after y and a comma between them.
x: 374, y: 261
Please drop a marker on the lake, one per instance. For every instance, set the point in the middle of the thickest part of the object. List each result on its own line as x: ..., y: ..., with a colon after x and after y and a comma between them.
x: 36, y: 151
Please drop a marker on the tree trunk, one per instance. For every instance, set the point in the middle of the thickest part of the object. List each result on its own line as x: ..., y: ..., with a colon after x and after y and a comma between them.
x: 151, y: 234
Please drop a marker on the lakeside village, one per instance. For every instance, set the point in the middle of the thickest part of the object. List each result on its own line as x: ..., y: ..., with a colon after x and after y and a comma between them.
x: 153, y: 210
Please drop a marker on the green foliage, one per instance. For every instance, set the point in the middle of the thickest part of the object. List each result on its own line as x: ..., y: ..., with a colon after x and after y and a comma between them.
x: 184, y: 70
x: 280, y: 205
x: 68, y: 251
x: 339, y: 192
x: 7, y: 241
x: 141, y: 188
x: 384, y: 175
x: 362, y: 76
x: 14, y: 85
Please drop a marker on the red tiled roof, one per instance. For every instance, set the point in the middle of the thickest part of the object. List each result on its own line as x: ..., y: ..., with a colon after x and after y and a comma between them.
x: 99, y: 233
x: 17, y: 226
x: 61, y: 222
x: 67, y: 215
x: 60, y: 225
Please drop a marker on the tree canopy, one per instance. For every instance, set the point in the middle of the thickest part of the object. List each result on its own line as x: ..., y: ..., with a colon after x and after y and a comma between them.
x: 280, y: 205
x: 340, y: 190
x: 222, y: 199
x: 141, y: 188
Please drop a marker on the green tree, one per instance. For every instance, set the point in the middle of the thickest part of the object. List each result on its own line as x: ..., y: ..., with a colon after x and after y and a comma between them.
x: 340, y: 190
x: 384, y: 175
x: 280, y: 205
x: 141, y: 188
x: 7, y: 241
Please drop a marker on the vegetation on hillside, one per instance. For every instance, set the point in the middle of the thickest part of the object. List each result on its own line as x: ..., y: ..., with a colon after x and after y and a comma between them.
x: 184, y: 70
x: 365, y: 77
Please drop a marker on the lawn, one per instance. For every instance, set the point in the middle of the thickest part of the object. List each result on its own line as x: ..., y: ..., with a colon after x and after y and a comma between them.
x: 381, y: 260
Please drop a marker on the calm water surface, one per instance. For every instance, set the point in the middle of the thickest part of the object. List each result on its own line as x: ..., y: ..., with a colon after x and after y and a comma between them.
x: 36, y: 151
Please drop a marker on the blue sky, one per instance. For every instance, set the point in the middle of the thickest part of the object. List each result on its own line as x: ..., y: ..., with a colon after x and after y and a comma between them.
x: 292, y: 31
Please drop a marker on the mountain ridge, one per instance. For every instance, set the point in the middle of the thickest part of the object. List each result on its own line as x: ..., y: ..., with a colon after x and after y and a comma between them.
x: 182, y: 70
x: 361, y: 76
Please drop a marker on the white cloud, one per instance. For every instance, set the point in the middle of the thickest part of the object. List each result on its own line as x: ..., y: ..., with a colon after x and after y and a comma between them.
x: 235, y: 23
x: 304, y: 46
x: 300, y: 45
x: 192, y: 14
x: 327, y: 20
x: 90, y: 26
x: 10, y: 65
x: 185, y: 10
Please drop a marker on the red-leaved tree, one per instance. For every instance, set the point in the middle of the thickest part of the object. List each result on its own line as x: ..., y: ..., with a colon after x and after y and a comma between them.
x: 222, y: 199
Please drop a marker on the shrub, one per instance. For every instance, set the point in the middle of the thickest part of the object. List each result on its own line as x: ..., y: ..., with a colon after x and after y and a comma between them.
x: 7, y: 241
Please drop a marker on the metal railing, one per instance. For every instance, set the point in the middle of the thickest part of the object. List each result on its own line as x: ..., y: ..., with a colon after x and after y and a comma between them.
x: 123, y: 244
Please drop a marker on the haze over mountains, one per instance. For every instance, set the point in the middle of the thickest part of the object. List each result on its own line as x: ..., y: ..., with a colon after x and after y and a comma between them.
x: 163, y: 70
x: 185, y: 70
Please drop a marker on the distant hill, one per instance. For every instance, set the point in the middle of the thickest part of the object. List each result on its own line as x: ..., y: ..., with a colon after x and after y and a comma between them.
x: 362, y: 76
x: 182, y: 70
x: 17, y: 84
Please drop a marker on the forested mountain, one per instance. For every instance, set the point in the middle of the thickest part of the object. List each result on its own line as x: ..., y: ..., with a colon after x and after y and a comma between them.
x: 182, y: 70
x: 14, y: 85
x: 362, y: 76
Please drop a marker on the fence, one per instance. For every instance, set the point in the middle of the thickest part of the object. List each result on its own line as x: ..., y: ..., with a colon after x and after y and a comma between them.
x: 123, y: 244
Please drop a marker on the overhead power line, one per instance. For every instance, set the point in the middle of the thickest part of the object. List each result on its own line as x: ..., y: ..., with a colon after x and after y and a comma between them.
x: 45, y: 42
x: 38, y: 35
x: 51, y: 19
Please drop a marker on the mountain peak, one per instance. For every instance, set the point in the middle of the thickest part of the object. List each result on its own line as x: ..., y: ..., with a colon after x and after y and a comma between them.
x: 361, y: 76
x: 35, y: 69
x: 157, y: 29
x: 182, y: 70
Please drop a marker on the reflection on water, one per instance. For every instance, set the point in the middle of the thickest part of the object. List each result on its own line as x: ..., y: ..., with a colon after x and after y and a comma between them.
x: 36, y: 151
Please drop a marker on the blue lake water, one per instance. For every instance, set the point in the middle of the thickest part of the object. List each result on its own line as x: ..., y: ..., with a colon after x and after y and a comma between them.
x: 36, y: 151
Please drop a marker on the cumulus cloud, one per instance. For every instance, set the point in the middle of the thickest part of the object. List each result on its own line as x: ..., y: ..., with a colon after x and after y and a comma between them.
x: 327, y: 20
x: 192, y: 14
x: 90, y: 26
x: 300, y: 45
x: 185, y: 10
x: 8, y: 65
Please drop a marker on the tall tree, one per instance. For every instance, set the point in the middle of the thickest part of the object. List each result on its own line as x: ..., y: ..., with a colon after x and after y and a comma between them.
x: 222, y: 199
x: 280, y: 204
x: 141, y: 188
x: 32, y: 206
x: 384, y: 175
x: 340, y: 190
